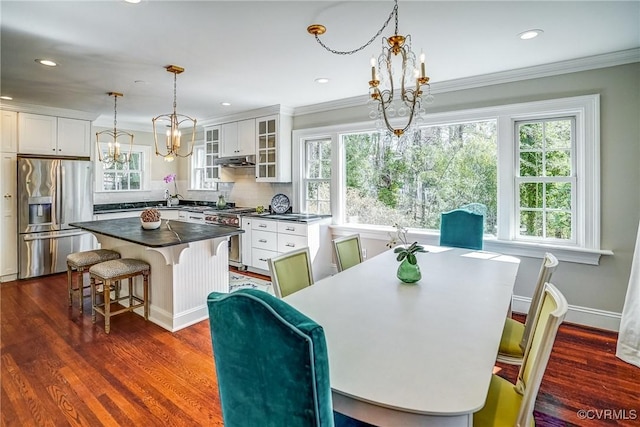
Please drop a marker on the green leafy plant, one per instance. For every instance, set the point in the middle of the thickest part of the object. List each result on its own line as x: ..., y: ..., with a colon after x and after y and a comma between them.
x: 405, y: 250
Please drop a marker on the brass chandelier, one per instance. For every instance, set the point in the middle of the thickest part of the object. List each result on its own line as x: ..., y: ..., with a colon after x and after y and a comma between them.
x: 172, y: 146
x: 114, y: 155
x: 385, y: 101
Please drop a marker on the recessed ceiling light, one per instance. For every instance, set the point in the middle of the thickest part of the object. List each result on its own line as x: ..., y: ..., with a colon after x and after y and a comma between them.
x: 225, y: 104
x: 133, y: 1
x: 5, y: 97
x: 322, y: 80
x: 47, y: 62
x: 530, y: 34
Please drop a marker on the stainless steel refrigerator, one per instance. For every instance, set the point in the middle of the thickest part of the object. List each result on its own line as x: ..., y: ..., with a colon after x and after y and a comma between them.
x: 51, y: 194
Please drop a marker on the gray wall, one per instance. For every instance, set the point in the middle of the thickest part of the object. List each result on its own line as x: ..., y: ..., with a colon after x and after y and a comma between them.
x: 594, y: 288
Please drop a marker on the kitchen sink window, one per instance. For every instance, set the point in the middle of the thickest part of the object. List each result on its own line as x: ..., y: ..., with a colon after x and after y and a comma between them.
x: 535, y: 166
x: 317, y: 177
x: 204, y: 175
x: 129, y: 176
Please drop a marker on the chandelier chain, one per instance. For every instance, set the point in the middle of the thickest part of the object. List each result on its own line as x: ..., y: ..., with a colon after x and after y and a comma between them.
x: 175, y: 79
x: 393, y: 13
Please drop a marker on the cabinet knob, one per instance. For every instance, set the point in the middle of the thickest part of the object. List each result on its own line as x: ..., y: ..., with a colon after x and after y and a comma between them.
x: 291, y: 245
x: 7, y: 196
x: 262, y: 241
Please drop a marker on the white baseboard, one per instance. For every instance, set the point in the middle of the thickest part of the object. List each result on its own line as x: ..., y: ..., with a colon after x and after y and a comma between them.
x: 586, y: 316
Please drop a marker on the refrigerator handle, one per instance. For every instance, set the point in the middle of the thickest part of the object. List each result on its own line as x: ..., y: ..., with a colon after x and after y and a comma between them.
x: 59, y: 195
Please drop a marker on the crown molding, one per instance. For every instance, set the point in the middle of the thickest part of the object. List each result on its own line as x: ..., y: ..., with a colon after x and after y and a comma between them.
x: 556, y: 68
x: 46, y: 111
x: 251, y: 114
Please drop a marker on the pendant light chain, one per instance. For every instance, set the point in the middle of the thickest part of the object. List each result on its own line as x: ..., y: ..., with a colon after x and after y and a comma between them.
x: 175, y: 96
x: 393, y: 13
x: 115, y: 113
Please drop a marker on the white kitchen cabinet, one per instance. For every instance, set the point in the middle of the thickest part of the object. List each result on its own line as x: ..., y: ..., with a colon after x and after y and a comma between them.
x: 48, y: 135
x: 238, y: 138
x: 273, y: 148
x: 270, y: 238
x: 9, y: 125
x: 245, y: 239
x: 9, y: 222
x: 211, y: 152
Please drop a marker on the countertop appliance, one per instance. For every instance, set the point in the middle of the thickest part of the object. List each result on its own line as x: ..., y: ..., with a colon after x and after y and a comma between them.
x: 230, y: 216
x: 51, y: 194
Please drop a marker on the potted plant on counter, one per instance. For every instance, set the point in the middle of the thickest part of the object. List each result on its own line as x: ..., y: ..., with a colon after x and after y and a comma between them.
x: 174, y: 198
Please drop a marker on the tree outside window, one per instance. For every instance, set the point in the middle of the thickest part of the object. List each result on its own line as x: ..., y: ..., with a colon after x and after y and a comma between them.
x: 546, y: 180
x: 317, y: 178
x: 123, y: 176
x: 411, y: 181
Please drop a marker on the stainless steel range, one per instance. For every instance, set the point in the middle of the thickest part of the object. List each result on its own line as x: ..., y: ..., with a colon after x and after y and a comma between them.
x: 230, y: 217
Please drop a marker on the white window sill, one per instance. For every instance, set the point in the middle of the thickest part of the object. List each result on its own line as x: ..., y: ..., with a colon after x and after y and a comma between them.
x: 427, y: 237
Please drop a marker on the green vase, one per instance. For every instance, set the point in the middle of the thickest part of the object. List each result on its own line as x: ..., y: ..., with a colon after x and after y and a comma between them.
x: 408, y: 273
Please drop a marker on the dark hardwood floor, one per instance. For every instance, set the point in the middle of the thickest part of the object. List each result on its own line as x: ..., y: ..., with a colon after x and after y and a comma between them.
x: 59, y: 369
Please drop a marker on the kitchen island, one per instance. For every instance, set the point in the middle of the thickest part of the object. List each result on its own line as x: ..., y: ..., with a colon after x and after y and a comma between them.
x: 188, y: 261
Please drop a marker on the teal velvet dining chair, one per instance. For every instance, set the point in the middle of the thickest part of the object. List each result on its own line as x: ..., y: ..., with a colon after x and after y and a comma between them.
x: 461, y: 228
x: 348, y: 251
x: 271, y: 363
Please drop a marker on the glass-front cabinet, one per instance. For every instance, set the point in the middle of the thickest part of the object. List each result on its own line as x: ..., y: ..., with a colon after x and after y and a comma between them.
x: 273, y: 148
x: 211, y: 152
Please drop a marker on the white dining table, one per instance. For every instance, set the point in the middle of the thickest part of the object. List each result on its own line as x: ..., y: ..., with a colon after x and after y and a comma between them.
x: 413, y: 354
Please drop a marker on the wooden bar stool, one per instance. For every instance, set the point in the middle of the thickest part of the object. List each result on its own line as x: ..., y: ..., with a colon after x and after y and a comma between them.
x: 81, y: 262
x: 110, y: 273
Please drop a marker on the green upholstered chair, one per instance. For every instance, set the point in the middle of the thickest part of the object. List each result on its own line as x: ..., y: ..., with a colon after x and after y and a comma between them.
x: 461, y: 228
x: 515, y: 335
x: 291, y: 272
x: 509, y: 405
x: 348, y: 251
x: 271, y: 363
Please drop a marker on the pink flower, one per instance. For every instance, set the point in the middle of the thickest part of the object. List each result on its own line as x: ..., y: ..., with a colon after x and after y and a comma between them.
x: 169, y: 178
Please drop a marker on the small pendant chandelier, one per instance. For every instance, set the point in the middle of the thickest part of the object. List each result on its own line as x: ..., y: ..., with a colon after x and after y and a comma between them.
x: 114, y: 155
x: 172, y: 146
x: 386, y: 102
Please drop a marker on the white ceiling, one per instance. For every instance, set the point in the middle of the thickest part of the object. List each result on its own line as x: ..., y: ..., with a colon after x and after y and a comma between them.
x: 258, y: 53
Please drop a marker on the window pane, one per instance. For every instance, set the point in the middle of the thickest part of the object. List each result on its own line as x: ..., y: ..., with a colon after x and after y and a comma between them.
x: 531, y: 223
x: 413, y: 179
x: 558, y: 163
x: 559, y: 225
x: 531, y: 136
x: 531, y: 195
x: 558, y: 134
x: 134, y: 181
x: 530, y: 163
x: 558, y: 195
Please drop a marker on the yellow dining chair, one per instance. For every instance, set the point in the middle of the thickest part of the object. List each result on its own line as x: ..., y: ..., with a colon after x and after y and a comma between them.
x: 509, y: 405
x: 516, y: 334
x: 291, y: 272
x: 348, y: 251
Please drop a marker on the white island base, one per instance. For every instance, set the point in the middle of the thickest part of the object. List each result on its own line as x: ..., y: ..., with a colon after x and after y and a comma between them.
x: 182, y: 276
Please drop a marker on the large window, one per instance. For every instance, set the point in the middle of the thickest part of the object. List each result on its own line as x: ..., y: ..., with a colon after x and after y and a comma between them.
x: 204, y: 176
x: 410, y: 181
x: 535, y: 166
x: 545, y: 179
x: 317, y: 177
x: 128, y: 176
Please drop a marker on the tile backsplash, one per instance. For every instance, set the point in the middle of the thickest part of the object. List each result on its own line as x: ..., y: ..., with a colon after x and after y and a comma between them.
x: 244, y: 191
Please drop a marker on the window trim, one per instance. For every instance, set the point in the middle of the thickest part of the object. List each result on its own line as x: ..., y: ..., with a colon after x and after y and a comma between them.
x: 145, y: 169
x: 586, y: 110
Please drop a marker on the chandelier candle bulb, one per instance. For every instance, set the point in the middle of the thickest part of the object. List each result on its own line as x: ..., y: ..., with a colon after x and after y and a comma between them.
x: 422, y: 59
x: 373, y: 67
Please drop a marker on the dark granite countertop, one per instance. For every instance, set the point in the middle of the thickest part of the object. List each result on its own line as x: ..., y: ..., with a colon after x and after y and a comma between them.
x: 293, y: 217
x: 187, y: 205
x: 130, y: 230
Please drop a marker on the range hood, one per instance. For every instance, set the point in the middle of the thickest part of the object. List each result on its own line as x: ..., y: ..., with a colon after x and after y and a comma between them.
x: 236, y: 162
